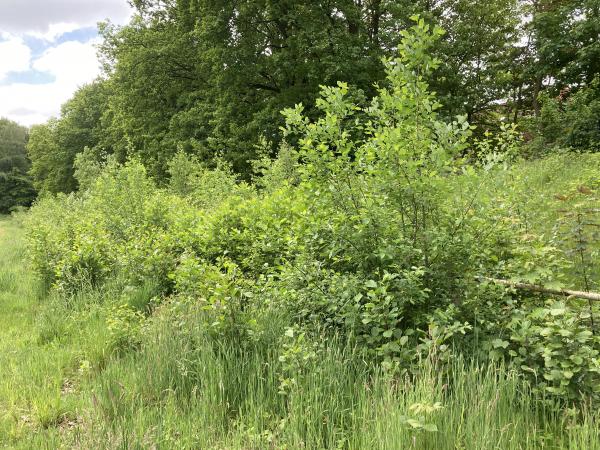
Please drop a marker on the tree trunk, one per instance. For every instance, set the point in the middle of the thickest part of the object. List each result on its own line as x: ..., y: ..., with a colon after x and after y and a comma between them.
x: 375, y: 19
x: 517, y: 103
x: 537, y: 87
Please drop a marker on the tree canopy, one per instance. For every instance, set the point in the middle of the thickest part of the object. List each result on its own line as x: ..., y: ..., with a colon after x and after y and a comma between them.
x: 15, y: 184
x: 210, y: 78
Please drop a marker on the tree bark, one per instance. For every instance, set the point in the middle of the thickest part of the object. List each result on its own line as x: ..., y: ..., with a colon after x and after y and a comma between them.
x: 535, y: 288
x: 537, y: 87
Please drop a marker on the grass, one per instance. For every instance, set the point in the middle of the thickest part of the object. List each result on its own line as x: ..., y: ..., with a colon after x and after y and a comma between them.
x: 38, y: 364
x: 67, y: 382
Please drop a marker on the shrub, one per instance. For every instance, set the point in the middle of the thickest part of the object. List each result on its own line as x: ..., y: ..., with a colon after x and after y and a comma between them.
x: 118, y: 227
x: 556, y: 348
x: 205, y: 188
x: 370, y: 226
x: 570, y: 122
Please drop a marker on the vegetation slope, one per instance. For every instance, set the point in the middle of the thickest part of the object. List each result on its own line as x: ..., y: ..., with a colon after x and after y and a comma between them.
x: 337, y: 302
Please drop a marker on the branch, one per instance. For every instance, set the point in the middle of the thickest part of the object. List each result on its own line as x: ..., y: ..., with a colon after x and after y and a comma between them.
x: 264, y: 87
x: 536, y: 288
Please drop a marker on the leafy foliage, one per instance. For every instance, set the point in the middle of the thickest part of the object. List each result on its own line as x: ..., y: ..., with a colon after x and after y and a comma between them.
x: 370, y: 227
x: 53, y: 146
x: 15, y: 185
x: 556, y: 347
x: 209, y: 79
x: 570, y: 121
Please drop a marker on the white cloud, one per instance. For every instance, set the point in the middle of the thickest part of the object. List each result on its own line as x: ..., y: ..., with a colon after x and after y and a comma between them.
x: 15, y: 56
x: 71, y: 63
x: 38, y: 16
x: 29, y: 104
x: 54, y: 31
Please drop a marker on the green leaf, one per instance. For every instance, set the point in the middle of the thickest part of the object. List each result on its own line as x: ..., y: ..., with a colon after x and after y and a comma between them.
x: 414, y: 423
x: 558, y: 309
x: 499, y: 343
x: 430, y: 427
x: 554, y: 285
x: 576, y: 359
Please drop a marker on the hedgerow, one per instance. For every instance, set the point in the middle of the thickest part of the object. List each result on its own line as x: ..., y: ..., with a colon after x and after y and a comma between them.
x: 373, y: 225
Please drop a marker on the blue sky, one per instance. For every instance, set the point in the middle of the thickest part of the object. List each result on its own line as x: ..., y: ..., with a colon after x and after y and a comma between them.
x: 48, y: 50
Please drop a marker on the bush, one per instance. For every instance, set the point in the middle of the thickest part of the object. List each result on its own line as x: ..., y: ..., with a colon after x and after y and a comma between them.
x: 375, y: 235
x: 118, y: 227
x: 570, y: 122
x: 204, y: 188
x: 557, y: 349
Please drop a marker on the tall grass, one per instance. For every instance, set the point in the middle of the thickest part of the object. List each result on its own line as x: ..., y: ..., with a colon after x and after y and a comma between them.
x: 62, y: 385
x: 188, y: 391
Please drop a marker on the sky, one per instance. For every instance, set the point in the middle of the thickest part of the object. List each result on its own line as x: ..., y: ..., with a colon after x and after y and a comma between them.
x: 47, y: 50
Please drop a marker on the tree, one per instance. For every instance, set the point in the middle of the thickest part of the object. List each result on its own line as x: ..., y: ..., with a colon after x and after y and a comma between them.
x: 13, y: 138
x: 569, y: 121
x: 211, y: 77
x: 475, y: 54
x: 15, y: 186
x: 53, y: 146
x: 563, y: 47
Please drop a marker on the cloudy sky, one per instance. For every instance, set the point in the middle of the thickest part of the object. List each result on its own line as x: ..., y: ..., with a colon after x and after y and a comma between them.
x: 47, y: 50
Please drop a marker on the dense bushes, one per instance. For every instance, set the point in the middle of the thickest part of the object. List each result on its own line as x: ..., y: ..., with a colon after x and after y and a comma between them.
x: 375, y: 234
x: 569, y: 120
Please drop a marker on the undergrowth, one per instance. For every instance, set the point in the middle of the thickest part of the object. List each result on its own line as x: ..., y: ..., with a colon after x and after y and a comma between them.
x: 335, y: 303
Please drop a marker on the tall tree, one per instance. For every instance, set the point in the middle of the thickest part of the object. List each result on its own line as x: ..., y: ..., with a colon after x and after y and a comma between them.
x: 52, y: 147
x: 475, y: 53
x: 563, y: 46
x: 15, y: 186
x: 211, y: 77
